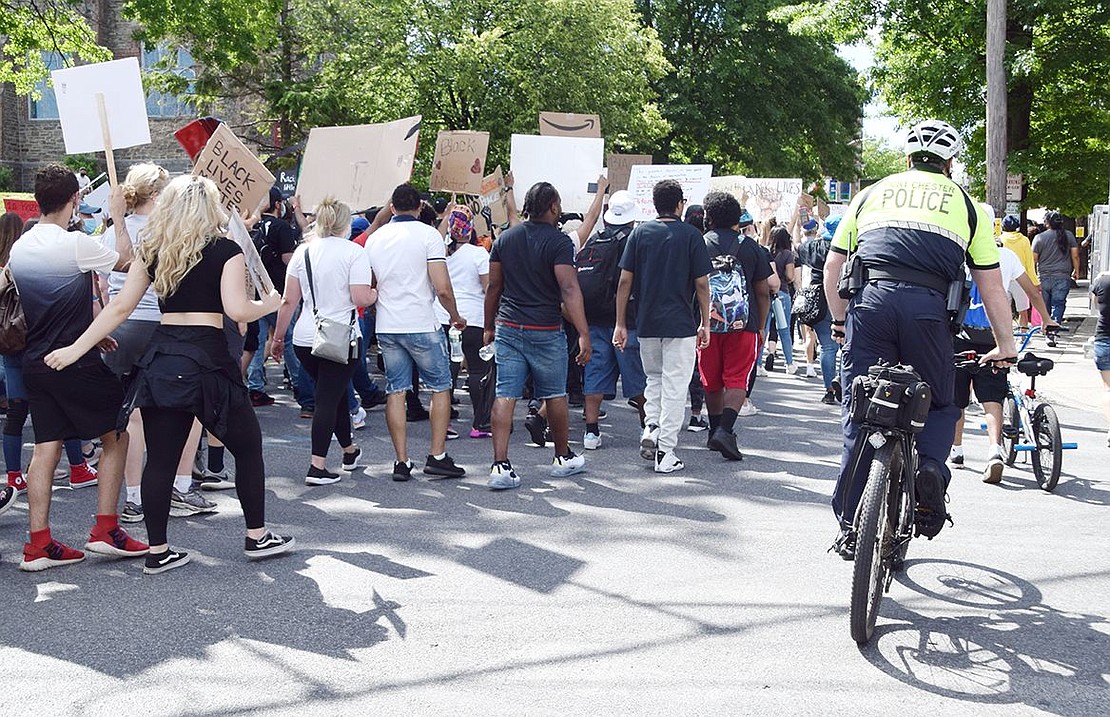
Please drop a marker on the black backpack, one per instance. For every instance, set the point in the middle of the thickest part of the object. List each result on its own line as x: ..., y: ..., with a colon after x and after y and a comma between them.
x: 598, y: 274
x: 258, y: 236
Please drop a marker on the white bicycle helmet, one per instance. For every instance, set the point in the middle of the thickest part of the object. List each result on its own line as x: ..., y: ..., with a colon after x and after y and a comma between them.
x: 935, y: 137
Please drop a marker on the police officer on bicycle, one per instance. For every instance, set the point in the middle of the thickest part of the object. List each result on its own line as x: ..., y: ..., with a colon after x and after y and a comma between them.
x: 902, y: 243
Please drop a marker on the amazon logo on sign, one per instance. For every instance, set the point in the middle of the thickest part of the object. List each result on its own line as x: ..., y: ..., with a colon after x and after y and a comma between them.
x: 566, y: 124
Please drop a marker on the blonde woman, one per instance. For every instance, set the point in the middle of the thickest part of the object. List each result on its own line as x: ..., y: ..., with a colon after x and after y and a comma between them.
x: 188, y: 372
x: 332, y: 275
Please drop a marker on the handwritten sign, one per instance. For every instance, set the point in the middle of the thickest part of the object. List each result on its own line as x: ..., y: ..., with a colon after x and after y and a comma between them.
x: 763, y: 198
x: 567, y: 124
x: 493, y: 196
x: 360, y: 165
x: 619, y: 167
x: 120, y: 83
x: 459, y: 162
x: 572, y: 164
x: 642, y: 179
x: 242, y: 180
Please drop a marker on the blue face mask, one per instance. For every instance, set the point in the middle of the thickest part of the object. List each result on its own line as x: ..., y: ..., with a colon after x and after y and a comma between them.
x: 91, y: 225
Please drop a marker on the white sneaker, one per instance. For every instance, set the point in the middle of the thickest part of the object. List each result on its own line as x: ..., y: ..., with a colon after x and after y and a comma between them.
x: 563, y: 466
x: 760, y: 371
x: 993, y: 472
x: 358, y: 419
x: 748, y: 409
x: 811, y: 372
x: 791, y: 369
x: 668, y: 462
x: 503, y: 477
x: 591, y: 441
x: 648, y: 439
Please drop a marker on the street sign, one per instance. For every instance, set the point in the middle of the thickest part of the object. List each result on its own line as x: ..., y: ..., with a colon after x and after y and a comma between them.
x: 1014, y: 183
x: 1013, y: 207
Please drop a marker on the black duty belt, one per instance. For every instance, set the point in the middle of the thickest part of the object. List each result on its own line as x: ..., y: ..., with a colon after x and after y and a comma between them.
x: 910, y: 276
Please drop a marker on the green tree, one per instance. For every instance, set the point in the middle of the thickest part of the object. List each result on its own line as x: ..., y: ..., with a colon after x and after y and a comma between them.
x: 749, y: 96
x: 29, y: 29
x: 879, y: 159
x: 930, y: 62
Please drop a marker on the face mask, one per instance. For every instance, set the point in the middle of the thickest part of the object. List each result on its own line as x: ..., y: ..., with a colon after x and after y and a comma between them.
x: 91, y: 225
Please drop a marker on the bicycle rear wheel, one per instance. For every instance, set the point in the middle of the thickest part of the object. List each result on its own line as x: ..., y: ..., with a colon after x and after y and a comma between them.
x: 1048, y: 454
x: 876, y: 534
x: 1011, y: 431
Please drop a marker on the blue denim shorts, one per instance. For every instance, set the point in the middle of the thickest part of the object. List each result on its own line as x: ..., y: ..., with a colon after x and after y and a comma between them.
x: 541, y: 352
x: 426, y: 351
x: 607, y: 362
x: 1102, y: 353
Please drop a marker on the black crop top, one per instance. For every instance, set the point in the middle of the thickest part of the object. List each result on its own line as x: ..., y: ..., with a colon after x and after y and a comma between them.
x: 199, y: 289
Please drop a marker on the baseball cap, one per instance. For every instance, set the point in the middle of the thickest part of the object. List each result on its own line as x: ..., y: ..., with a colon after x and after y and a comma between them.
x: 746, y: 219
x: 358, y: 226
x: 810, y: 225
x: 87, y: 209
x: 622, y: 209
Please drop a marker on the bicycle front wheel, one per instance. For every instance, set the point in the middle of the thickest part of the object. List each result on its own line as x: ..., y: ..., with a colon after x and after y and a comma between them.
x: 875, y: 538
x: 1011, y: 428
x: 1048, y: 455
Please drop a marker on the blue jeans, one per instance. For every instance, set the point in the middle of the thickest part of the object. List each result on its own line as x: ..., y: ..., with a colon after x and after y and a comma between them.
x: 1055, y: 290
x: 427, y: 351
x: 542, y: 352
x: 607, y: 363
x: 829, y: 350
x: 256, y: 372
x: 784, y: 335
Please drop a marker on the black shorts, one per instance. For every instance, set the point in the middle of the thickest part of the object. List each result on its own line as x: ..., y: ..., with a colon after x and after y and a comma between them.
x: 990, y: 386
x: 250, y: 339
x: 78, y: 402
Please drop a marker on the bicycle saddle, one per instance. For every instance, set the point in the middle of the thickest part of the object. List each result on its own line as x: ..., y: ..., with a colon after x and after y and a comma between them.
x: 1032, y: 365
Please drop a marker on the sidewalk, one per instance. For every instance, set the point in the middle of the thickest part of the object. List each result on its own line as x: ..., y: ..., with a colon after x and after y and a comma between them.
x: 1074, y: 382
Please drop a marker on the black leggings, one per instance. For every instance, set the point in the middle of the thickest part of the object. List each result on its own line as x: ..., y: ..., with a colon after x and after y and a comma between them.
x: 476, y: 370
x: 331, y: 414
x: 166, y: 432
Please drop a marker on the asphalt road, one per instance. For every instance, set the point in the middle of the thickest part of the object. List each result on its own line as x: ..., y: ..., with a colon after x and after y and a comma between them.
x: 615, y: 591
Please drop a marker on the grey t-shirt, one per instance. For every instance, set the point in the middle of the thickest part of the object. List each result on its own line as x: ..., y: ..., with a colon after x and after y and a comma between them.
x: 1050, y: 260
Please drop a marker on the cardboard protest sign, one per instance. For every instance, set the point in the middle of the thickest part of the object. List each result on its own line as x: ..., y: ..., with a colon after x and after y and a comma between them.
x: 459, y: 162
x: 763, y: 198
x: 242, y: 180
x: 121, y: 85
x: 572, y: 164
x: 567, y: 124
x: 822, y: 209
x: 360, y: 165
x: 694, y: 179
x: 259, y: 277
x: 492, y: 195
x: 619, y: 167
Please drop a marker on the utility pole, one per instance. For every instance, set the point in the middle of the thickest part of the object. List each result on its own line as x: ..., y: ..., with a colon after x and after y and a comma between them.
x: 996, y: 105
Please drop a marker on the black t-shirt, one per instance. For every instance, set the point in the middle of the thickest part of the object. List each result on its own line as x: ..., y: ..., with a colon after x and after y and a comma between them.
x: 1100, y: 287
x: 199, y: 289
x: 665, y: 258
x: 528, y: 254
x: 278, y: 238
x: 755, y: 263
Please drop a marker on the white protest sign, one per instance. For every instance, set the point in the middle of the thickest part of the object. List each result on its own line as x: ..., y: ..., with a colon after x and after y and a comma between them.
x: 121, y: 85
x: 572, y: 164
x: 763, y: 198
x: 642, y: 179
x: 260, y: 278
x: 360, y: 165
x: 242, y: 180
x: 459, y: 162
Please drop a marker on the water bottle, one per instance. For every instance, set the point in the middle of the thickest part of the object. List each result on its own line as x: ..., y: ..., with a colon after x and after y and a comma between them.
x: 779, y: 312
x: 454, y: 338
x: 486, y: 352
x: 1089, y: 348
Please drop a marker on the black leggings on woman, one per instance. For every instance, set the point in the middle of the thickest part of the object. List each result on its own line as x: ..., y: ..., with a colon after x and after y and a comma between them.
x: 331, y: 415
x: 166, y: 432
x: 476, y: 369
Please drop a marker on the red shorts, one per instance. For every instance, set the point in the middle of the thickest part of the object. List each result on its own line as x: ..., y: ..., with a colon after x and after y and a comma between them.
x: 729, y: 361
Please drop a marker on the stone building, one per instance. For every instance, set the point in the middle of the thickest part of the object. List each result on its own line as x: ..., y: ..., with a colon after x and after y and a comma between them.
x: 31, y: 134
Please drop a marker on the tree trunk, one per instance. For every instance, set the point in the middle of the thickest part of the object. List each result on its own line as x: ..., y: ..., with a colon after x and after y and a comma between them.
x: 996, y: 105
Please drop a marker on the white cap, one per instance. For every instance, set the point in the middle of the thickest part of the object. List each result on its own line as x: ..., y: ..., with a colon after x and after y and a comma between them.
x: 622, y: 209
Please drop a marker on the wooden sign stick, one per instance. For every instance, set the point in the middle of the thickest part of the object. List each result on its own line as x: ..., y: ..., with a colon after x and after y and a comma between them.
x: 107, y: 133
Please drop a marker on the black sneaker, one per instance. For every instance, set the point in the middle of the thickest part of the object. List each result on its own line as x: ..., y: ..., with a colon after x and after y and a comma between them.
x: 7, y: 497
x: 957, y: 460
x: 724, y: 443
x: 161, y: 562
x: 269, y: 544
x: 416, y: 413
x: 402, y: 471
x: 350, y: 460
x: 444, y: 468
x: 536, y: 425
x: 261, y: 398
x: 838, y: 393
x: 845, y: 545
x: 931, y: 511
x: 829, y: 398
x: 320, y: 476
x: 374, y: 399
x: 454, y: 414
x: 769, y: 363
x: 697, y: 424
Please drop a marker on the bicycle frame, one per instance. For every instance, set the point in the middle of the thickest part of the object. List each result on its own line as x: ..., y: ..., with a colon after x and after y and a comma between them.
x: 907, y: 493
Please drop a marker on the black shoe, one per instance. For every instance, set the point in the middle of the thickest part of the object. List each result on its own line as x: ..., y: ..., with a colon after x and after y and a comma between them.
x: 845, y: 544
x: 454, y: 413
x: 374, y: 399
x: 416, y: 413
x: 444, y: 468
x: 957, y: 460
x: 724, y: 443
x: 260, y: 398
x: 161, y: 562
x: 8, y: 495
x: 829, y: 398
x: 350, y: 460
x: 838, y: 393
x: 402, y: 471
x: 536, y: 425
x: 269, y: 544
x: 769, y: 363
x: 931, y: 513
x: 320, y: 476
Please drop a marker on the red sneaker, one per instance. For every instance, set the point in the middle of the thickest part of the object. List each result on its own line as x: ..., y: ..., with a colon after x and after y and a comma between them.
x: 53, y: 555
x: 81, y: 476
x: 17, y: 481
x: 115, y: 542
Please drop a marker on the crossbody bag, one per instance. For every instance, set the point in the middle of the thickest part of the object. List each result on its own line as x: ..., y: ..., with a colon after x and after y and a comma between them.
x: 334, y: 340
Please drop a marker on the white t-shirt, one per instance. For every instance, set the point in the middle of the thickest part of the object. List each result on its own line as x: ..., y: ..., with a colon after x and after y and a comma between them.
x: 1009, y: 263
x: 337, y: 265
x: 147, y: 310
x: 465, y: 266
x: 399, y: 255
